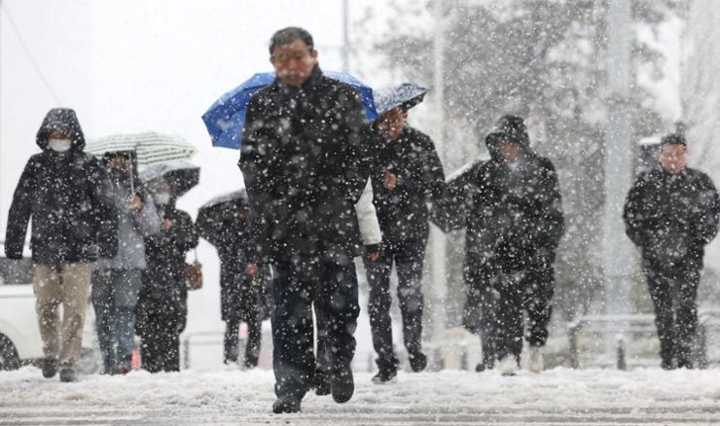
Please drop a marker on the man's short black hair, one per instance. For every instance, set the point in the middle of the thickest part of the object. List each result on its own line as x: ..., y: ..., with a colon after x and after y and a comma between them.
x: 673, y: 139
x: 289, y: 35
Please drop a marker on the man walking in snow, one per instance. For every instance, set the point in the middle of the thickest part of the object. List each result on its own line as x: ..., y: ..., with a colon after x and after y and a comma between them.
x: 671, y: 213
x: 406, y: 175
x: 301, y: 162
x: 73, y: 224
x: 511, y: 206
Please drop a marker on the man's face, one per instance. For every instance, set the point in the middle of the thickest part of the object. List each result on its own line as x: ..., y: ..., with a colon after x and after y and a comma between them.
x: 392, y: 123
x: 509, y: 150
x: 293, y: 62
x: 118, y: 162
x: 672, y: 158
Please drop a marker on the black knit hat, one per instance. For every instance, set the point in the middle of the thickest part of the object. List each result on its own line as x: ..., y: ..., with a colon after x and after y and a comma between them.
x: 673, y: 139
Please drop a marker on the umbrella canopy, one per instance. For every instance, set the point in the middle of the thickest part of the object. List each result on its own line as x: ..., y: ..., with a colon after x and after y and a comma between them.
x: 225, y: 119
x: 406, y: 95
x: 239, y: 195
x: 211, y: 214
x: 150, y: 148
x: 182, y: 176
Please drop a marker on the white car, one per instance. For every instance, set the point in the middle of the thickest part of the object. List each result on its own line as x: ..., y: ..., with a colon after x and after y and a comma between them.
x: 20, y: 342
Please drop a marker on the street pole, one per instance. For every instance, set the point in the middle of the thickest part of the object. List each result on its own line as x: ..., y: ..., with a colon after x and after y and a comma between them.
x: 346, y: 37
x: 618, y: 170
x: 439, y: 246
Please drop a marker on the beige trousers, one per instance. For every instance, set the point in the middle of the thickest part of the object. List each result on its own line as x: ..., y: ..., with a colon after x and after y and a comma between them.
x: 68, y: 284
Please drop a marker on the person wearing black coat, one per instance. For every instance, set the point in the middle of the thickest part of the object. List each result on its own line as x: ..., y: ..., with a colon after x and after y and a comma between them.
x: 161, y: 312
x: 671, y: 213
x: 242, y: 296
x: 512, y: 208
x: 302, y: 163
x: 73, y: 223
x: 407, y: 174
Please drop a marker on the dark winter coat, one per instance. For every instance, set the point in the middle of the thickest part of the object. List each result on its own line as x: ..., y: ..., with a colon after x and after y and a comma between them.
x: 512, y: 217
x: 163, y: 292
x: 72, y: 220
x: 403, y: 212
x: 303, y: 164
x: 671, y: 217
x: 230, y: 236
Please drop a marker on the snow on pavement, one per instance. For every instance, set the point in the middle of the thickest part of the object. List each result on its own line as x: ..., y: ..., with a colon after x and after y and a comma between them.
x: 558, y: 396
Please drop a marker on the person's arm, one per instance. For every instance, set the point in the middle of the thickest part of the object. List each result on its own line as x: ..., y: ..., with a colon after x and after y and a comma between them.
x: 357, y: 159
x: 185, y: 235
x: 553, y: 218
x: 705, y: 221
x: 106, y: 215
x: 146, y: 219
x: 254, y: 166
x: 634, y: 222
x: 20, y: 212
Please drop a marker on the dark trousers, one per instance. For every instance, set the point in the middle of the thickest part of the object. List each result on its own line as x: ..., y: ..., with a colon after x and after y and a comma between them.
x: 160, y: 339
x: 232, y: 340
x: 408, y: 257
x: 333, y: 291
x: 504, y: 296
x: 673, y: 291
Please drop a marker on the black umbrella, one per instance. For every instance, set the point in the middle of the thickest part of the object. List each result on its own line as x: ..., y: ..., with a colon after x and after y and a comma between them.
x: 211, y: 214
x: 406, y: 96
x: 182, y: 176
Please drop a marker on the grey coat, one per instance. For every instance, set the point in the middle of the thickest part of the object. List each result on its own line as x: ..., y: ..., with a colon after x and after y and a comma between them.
x: 133, y: 227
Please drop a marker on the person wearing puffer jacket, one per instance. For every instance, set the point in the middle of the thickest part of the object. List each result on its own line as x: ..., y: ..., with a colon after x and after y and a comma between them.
x: 73, y: 224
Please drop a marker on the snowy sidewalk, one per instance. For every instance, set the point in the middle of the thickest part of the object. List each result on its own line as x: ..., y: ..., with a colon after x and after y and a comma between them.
x: 560, y: 396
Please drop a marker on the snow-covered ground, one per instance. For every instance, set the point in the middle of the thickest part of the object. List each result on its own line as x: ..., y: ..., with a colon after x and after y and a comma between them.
x: 558, y: 396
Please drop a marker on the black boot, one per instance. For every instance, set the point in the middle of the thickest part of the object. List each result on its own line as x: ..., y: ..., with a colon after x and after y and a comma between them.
x: 286, y: 404
x: 418, y: 361
x: 68, y: 375
x: 49, y: 368
x: 342, y: 385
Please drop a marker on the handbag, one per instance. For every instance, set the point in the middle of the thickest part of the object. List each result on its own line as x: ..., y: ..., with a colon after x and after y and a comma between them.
x: 192, y: 274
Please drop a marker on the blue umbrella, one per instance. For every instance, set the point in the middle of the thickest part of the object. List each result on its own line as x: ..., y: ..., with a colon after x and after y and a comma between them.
x: 224, y: 120
x: 406, y: 95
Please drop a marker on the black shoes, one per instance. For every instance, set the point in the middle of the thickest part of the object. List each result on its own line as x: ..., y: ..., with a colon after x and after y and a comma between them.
x: 49, y: 368
x: 67, y: 375
x: 418, y: 361
x: 384, y: 376
x: 286, y: 404
x: 321, y: 383
x: 342, y: 385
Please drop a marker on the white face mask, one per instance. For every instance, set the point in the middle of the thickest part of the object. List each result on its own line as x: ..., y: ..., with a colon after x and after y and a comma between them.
x: 59, y: 145
x: 162, y: 198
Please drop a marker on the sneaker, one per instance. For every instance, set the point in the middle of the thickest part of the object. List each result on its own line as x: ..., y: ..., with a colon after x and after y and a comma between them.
x: 321, y: 383
x: 508, y: 366
x: 418, y: 361
x: 384, y: 376
x: 286, y: 404
x: 536, y: 363
x: 342, y: 385
x: 49, y: 368
x: 67, y: 375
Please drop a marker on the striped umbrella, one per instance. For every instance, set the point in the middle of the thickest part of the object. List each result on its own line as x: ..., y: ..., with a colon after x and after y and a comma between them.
x: 150, y: 147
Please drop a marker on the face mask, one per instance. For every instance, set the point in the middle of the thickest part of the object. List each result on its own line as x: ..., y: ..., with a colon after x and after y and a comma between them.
x: 59, y: 145
x: 162, y: 198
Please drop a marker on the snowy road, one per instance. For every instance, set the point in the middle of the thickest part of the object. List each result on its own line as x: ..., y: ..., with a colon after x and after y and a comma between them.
x: 560, y: 396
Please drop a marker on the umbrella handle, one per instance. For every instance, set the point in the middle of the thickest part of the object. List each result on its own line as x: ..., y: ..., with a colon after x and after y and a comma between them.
x: 132, y: 182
